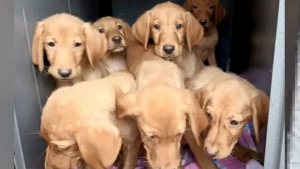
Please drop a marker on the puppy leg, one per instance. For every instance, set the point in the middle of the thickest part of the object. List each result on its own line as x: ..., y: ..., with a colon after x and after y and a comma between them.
x: 204, y: 161
x: 244, y: 154
x: 212, y: 59
x: 131, y: 151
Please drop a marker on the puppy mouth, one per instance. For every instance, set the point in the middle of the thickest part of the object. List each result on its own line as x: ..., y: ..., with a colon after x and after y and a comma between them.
x: 118, y: 48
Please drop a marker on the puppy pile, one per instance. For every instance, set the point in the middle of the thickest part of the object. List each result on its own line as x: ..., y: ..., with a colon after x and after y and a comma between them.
x: 120, y: 96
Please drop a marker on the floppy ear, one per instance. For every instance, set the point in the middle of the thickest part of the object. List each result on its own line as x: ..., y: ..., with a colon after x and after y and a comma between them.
x: 220, y: 12
x: 186, y: 5
x: 99, y: 148
x: 194, y: 31
x: 196, y: 116
x: 141, y: 30
x: 260, y: 108
x: 127, y: 32
x: 96, y: 44
x: 126, y: 104
x: 37, y: 46
x: 202, y: 96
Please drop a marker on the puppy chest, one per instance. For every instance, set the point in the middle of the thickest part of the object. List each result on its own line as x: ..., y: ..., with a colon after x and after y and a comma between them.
x: 115, y: 64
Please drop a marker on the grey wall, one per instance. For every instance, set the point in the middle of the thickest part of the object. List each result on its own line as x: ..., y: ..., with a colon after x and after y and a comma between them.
x: 31, y: 88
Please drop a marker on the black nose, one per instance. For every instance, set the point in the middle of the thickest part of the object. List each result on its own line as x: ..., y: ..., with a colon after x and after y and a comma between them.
x: 169, y: 49
x: 203, y: 22
x: 211, y: 153
x: 64, y: 72
x: 116, y: 39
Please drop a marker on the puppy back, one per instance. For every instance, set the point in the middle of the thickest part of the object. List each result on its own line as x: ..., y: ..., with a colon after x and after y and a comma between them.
x: 159, y: 71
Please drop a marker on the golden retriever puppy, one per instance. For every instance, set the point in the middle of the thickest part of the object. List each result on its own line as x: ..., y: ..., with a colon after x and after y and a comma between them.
x: 72, y: 48
x: 230, y: 103
x: 118, y: 35
x: 162, y: 112
x: 79, y: 122
x: 174, y: 32
x: 209, y: 13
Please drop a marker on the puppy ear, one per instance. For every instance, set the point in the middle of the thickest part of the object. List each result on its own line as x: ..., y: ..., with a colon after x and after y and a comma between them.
x: 141, y: 28
x: 260, y: 108
x: 186, y: 5
x: 202, y: 96
x: 220, y: 12
x: 96, y: 44
x: 196, y: 116
x: 99, y: 148
x: 127, y: 32
x: 37, y: 46
x: 194, y: 31
x: 126, y: 104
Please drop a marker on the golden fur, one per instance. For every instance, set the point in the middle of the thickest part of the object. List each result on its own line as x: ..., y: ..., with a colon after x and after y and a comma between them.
x: 79, y: 122
x: 112, y: 28
x: 71, y: 45
x: 169, y: 24
x: 161, y: 106
x: 231, y: 102
x: 161, y: 111
x: 211, y: 12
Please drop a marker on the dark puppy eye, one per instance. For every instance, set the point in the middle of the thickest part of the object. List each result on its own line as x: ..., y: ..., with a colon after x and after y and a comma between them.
x: 234, y: 122
x: 195, y: 6
x: 209, y: 115
x: 77, y: 44
x: 119, y: 27
x: 101, y: 30
x: 51, y: 44
x: 156, y: 26
x: 210, y: 7
x: 178, y: 26
x: 152, y: 137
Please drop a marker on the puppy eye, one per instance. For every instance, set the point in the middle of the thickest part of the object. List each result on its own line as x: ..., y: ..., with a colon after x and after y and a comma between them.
x: 153, y: 137
x: 209, y: 115
x: 101, y: 30
x: 234, y: 122
x: 119, y: 27
x: 210, y: 7
x: 51, y: 44
x: 178, y: 26
x: 195, y: 6
x: 62, y: 147
x: 77, y: 44
x: 156, y: 26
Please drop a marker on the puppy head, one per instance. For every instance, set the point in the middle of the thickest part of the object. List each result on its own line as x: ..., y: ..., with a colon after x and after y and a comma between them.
x: 72, y: 138
x: 170, y: 27
x: 230, y: 105
x: 208, y: 12
x: 68, y: 42
x: 161, y: 113
x: 117, y: 33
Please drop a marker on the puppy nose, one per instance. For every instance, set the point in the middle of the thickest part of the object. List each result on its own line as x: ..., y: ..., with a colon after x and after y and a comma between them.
x: 203, y: 22
x: 210, y: 152
x: 116, y: 39
x: 64, y: 72
x: 169, y: 49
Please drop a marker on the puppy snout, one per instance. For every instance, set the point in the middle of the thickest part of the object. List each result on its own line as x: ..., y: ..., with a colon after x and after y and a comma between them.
x: 64, y: 72
x: 211, y: 152
x: 168, y: 49
x: 116, y: 39
x: 203, y: 22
